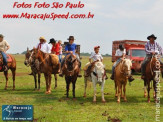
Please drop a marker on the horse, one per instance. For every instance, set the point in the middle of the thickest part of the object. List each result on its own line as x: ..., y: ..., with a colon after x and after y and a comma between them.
x: 47, y: 64
x: 30, y: 62
x: 11, y: 63
x: 98, y: 77
x: 122, y: 72
x: 153, y: 70
x: 71, y: 70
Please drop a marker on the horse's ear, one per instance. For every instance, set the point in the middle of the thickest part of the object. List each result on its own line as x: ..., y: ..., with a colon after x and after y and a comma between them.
x: 27, y: 49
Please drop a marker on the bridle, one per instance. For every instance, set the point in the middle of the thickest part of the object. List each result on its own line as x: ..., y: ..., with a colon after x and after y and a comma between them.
x: 95, y: 74
x: 122, y: 71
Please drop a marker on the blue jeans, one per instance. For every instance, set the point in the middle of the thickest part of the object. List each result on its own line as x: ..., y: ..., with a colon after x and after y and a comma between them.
x: 4, y: 58
x: 60, y: 57
x: 115, y: 64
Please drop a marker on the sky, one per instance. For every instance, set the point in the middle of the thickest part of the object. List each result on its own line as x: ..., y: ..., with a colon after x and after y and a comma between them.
x: 113, y: 20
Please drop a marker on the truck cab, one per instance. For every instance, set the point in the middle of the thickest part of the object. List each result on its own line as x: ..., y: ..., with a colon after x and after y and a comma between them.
x: 135, y: 51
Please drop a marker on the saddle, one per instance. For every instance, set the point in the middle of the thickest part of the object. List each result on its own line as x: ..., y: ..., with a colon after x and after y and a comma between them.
x: 9, y: 59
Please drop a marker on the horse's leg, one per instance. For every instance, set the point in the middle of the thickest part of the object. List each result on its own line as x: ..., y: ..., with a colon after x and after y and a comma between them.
x: 155, y: 90
x: 55, y: 76
x: 67, y: 87
x: 148, y: 82
x: 73, y: 90
x: 13, y: 77
x: 124, y: 91
x: 119, y: 91
x: 85, y: 87
x: 46, y: 79
x: 6, y: 76
x: 49, y: 83
x: 94, y: 96
x: 116, y: 89
x: 35, y: 78
x: 39, y: 75
x: 145, y: 88
x: 102, y: 91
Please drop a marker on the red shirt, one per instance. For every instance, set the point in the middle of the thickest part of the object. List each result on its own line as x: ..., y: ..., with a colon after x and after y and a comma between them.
x: 55, y: 49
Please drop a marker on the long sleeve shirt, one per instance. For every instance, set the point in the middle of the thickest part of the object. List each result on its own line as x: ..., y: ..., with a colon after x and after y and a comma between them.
x: 44, y: 47
x: 149, y: 48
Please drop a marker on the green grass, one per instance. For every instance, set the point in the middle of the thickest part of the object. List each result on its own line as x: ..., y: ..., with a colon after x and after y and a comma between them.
x: 54, y: 107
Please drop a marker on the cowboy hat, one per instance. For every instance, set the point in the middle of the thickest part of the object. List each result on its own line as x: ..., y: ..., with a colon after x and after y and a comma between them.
x: 52, y: 41
x: 71, y: 38
x: 152, y: 36
x: 42, y: 38
x: 96, y: 47
x: 1, y: 35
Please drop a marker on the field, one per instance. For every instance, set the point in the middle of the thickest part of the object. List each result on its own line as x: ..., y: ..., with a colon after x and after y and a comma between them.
x: 55, y: 107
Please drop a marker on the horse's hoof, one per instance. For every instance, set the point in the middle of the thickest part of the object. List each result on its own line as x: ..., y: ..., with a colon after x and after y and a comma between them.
x: 74, y: 99
x: 67, y: 98
x: 38, y: 89
x: 13, y: 89
x: 145, y: 96
x: 5, y: 88
x: 116, y: 95
x: 118, y: 101
x: 122, y: 97
x: 94, y: 101
x: 125, y: 100
x: 84, y: 95
x: 103, y: 101
x: 149, y: 101
x: 55, y: 87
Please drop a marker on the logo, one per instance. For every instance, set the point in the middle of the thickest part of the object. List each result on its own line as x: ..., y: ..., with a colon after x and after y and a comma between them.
x: 17, y: 112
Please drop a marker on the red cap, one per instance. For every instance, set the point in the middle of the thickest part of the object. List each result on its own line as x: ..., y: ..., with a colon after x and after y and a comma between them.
x: 96, y: 47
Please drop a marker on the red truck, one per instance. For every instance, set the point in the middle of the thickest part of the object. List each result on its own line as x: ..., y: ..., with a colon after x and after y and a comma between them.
x: 135, y: 51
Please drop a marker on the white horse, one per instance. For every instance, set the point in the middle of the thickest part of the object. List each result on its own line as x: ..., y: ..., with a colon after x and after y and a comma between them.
x: 97, y: 77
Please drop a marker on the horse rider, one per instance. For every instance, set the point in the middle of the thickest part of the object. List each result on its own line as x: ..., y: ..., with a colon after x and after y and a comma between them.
x: 70, y: 48
x: 96, y: 56
x: 55, y: 49
x: 4, y: 46
x: 120, y: 55
x: 60, y: 51
x: 151, y: 48
x: 43, y: 46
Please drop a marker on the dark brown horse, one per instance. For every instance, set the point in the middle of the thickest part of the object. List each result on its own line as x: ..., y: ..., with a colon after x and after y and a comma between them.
x: 153, y: 69
x: 12, y: 66
x: 30, y: 62
x: 47, y: 64
x: 71, y: 70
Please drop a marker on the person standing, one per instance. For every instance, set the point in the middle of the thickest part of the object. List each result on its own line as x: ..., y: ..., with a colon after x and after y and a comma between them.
x: 4, y: 46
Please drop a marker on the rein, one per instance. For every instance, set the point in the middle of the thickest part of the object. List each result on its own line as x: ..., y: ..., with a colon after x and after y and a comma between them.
x: 121, y: 69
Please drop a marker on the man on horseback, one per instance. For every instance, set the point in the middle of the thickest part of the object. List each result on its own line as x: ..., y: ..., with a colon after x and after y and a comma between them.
x: 96, y: 56
x: 44, y: 47
x: 70, y: 48
x: 151, y: 48
x: 120, y: 55
x: 4, y: 46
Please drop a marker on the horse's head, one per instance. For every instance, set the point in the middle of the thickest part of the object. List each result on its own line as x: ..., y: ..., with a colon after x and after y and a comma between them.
x: 99, y: 71
x: 28, y: 60
x: 126, y: 67
x: 70, y: 63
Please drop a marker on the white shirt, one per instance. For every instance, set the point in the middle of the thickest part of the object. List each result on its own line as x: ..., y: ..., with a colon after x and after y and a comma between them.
x: 119, y: 52
x: 44, y: 47
x: 96, y: 57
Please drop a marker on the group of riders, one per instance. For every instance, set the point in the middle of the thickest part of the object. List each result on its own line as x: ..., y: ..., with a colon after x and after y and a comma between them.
x: 151, y: 48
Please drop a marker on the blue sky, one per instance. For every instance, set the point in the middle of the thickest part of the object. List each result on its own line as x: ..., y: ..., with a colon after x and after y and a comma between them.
x: 114, y: 20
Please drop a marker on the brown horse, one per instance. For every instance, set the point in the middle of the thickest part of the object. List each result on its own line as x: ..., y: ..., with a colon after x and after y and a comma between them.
x: 122, y: 72
x: 153, y: 69
x: 12, y: 66
x: 30, y: 62
x: 47, y: 64
x: 71, y: 70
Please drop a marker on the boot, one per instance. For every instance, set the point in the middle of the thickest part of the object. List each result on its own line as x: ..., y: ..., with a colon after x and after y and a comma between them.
x: 112, y: 77
x: 106, y: 77
x: 79, y: 75
x: 131, y: 79
x: 5, y: 68
x: 61, y: 74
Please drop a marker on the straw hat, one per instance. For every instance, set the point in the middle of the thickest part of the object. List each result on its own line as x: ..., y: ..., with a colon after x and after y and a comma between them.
x: 42, y: 38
